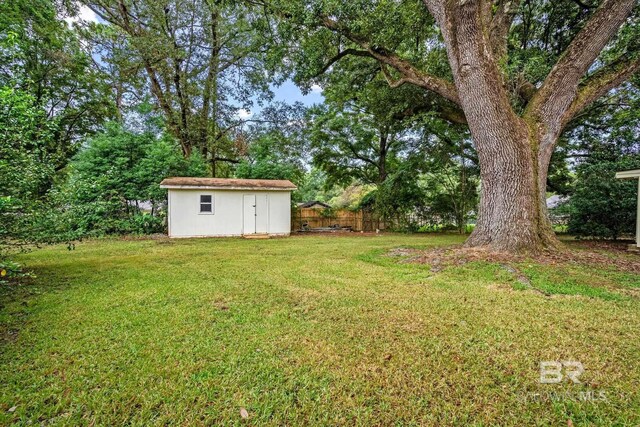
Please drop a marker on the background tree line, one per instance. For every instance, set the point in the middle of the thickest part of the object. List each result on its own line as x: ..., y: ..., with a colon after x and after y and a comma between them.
x: 94, y: 114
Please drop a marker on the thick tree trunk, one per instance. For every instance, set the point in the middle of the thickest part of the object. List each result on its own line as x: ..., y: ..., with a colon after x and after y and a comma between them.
x: 513, y: 214
x: 514, y: 150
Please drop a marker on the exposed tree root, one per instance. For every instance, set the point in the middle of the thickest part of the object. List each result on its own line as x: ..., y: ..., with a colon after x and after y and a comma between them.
x: 588, y: 254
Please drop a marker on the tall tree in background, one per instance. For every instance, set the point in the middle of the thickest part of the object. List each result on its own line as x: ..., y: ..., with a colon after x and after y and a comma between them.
x: 275, y: 145
x: 609, y: 129
x: 42, y: 57
x: 202, y: 60
x: 451, y: 179
x: 116, y: 172
x: 390, y: 138
x: 367, y: 139
x: 50, y: 99
x: 26, y: 168
x: 517, y: 72
x: 364, y: 134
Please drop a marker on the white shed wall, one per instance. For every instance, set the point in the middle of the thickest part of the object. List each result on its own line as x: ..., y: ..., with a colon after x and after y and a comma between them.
x: 185, y: 219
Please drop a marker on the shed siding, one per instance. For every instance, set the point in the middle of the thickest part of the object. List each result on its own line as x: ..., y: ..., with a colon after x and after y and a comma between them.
x: 185, y: 219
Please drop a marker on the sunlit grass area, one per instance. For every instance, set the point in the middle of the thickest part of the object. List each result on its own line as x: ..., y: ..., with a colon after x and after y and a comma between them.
x: 313, y: 330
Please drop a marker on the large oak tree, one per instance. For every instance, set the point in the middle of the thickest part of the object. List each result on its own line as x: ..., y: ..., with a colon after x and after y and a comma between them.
x: 518, y: 71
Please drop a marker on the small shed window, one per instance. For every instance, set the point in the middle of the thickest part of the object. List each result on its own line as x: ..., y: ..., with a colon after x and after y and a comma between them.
x: 206, y: 204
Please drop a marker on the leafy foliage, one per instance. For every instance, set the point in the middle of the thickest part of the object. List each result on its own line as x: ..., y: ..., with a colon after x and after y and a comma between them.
x: 313, y: 185
x: 265, y: 163
x: 51, y: 97
x: 202, y: 63
x: 41, y: 56
x: 274, y: 144
x: 451, y: 196
x: 603, y: 206
x: 116, y: 173
x: 26, y: 171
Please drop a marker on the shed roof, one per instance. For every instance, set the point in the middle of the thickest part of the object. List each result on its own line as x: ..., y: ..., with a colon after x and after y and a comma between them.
x: 635, y: 173
x: 227, y: 184
x: 313, y: 203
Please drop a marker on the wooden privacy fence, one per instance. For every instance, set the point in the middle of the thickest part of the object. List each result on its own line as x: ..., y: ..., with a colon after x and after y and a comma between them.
x: 309, y: 218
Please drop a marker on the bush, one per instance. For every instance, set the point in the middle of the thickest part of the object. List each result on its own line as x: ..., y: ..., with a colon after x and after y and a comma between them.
x: 603, y: 206
x: 27, y: 159
x: 117, y: 172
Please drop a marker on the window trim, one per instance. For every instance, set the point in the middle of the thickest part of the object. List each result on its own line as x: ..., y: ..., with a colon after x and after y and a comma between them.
x: 210, y: 203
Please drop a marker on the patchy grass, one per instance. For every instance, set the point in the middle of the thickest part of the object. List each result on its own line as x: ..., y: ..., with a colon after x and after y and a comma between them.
x: 314, y: 330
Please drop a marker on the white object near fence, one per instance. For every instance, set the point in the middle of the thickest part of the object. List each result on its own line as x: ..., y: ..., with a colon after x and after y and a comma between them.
x: 633, y: 174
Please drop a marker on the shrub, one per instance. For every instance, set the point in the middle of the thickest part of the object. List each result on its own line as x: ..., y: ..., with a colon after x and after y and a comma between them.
x: 603, y: 206
x: 115, y: 174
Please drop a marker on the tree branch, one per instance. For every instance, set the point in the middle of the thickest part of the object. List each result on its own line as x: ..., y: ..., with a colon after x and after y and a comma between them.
x: 582, y: 4
x: 225, y: 159
x: 559, y: 90
x: 499, y: 24
x: 396, y: 83
x: 432, y: 103
x: 601, y: 82
x: 385, y: 56
x: 339, y: 56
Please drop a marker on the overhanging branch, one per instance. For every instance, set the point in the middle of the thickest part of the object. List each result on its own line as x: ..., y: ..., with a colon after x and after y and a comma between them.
x: 499, y: 23
x: 396, y: 83
x: 339, y: 56
x: 410, y: 73
x: 601, y: 82
x: 560, y: 88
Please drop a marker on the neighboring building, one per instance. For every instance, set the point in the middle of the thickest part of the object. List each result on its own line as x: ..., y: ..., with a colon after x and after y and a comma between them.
x: 314, y: 204
x: 207, y: 207
x: 555, y: 201
x: 633, y: 174
x: 557, y: 216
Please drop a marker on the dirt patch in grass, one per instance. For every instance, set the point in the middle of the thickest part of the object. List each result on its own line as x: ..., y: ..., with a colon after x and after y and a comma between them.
x: 582, y: 268
x: 589, y: 254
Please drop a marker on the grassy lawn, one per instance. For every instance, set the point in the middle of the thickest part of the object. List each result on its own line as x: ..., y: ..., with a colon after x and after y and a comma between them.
x: 313, y: 330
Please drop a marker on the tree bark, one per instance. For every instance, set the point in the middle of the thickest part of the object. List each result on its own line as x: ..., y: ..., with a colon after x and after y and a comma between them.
x: 513, y: 213
x: 382, y: 156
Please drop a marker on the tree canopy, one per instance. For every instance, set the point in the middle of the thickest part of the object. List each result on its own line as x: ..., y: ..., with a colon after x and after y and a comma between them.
x: 202, y: 62
x: 513, y: 71
x: 450, y: 111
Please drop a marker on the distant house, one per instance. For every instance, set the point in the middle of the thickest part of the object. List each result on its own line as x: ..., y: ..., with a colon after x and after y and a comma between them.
x: 314, y: 204
x: 556, y: 216
x: 555, y: 201
x: 208, y: 207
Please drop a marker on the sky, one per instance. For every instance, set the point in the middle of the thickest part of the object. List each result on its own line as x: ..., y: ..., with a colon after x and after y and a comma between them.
x: 287, y: 92
x: 290, y: 93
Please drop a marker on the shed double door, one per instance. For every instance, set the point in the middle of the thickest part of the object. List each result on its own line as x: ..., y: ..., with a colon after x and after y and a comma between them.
x: 255, y: 214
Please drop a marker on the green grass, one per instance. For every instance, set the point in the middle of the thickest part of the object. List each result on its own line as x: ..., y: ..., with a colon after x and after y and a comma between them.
x: 313, y: 330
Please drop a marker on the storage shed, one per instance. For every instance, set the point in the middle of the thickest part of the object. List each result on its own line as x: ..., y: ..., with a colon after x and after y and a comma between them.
x: 212, y: 207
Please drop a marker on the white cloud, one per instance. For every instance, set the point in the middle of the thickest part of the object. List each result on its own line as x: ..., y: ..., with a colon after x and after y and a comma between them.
x: 84, y: 14
x: 244, y: 114
x: 316, y: 89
